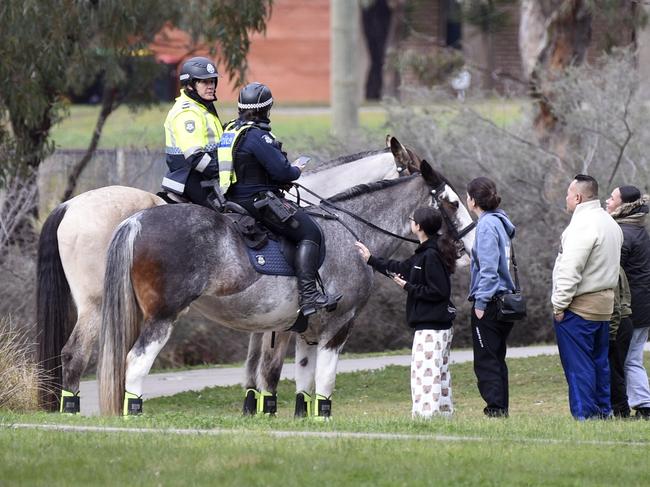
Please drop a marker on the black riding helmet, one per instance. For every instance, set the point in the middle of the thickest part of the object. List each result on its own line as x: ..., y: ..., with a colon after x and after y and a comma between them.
x: 197, y: 68
x: 255, y: 97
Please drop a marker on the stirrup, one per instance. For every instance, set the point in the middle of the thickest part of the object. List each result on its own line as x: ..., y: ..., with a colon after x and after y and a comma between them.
x: 69, y: 402
x: 132, y: 404
x: 332, y: 302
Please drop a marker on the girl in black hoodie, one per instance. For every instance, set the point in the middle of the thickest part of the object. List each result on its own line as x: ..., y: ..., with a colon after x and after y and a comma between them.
x: 425, y: 276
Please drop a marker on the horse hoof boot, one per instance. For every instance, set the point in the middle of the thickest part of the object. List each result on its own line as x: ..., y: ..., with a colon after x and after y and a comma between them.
x: 322, y: 408
x: 69, y: 402
x: 303, y: 405
x: 250, y: 402
x: 132, y: 404
x: 267, y: 403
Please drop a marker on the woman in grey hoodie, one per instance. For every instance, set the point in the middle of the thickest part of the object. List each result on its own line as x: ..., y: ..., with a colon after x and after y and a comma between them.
x: 490, y: 277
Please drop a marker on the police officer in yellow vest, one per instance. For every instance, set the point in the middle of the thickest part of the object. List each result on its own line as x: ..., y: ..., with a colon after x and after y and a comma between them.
x: 192, y: 133
x: 261, y: 171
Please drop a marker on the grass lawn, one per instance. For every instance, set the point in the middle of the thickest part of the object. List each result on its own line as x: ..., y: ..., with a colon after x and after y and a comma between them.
x: 144, y: 128
x: 538, y: 444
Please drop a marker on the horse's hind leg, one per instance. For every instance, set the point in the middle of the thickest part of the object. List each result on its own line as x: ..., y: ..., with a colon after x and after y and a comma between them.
x: 76, y: 355
x: 305, y: 369
x: 155, y: 334
x: 273, y: 348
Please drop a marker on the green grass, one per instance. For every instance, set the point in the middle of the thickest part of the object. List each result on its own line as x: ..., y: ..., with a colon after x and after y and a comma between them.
x: 144, y: 128
x: 539, y: 444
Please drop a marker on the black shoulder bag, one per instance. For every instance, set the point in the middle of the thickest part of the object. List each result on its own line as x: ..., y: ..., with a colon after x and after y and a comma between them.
x: 512, y: 306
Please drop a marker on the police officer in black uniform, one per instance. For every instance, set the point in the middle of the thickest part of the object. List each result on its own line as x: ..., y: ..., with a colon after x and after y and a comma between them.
x: 261, y: 167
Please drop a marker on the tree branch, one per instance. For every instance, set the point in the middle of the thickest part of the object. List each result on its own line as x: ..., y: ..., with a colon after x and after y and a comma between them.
x: 108, y: 106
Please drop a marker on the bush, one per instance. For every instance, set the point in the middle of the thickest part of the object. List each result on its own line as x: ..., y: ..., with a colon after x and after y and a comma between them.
x: 20, y: 376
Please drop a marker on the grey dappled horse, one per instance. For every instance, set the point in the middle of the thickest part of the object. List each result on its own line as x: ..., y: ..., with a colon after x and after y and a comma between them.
x: 163, y: 259
x: 72, y: 251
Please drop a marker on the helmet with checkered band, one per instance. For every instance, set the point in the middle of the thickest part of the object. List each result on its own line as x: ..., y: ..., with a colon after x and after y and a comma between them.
x: 197, y: 68
x: 255, y: 97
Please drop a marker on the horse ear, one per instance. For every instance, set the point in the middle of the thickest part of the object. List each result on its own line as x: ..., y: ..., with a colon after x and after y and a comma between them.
x: 399, y: 151
x: 429, y: 174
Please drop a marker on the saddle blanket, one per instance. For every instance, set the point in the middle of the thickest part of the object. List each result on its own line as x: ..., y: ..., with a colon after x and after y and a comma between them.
x: 270, y: 260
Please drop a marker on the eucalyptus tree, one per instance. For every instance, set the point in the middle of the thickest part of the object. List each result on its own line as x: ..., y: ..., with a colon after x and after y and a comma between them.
x: 53, y: 47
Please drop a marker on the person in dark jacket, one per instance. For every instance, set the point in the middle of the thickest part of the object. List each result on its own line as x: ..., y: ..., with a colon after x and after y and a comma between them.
x: 251, y: 158
x: 620, y: 334
x: 630, y: 210
x: 490, y: 277
x: 425, y: 276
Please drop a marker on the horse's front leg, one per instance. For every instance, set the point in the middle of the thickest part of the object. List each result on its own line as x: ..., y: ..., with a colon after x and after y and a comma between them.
x: 266, y: 354
x: 327, y: 358
x: 305, y: 371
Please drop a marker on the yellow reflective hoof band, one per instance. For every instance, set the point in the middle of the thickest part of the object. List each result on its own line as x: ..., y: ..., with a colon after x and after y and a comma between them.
x: 309, y: 402
x: 322, y: 409
x: 69, y: 402
x: 266, y: 403
x: 132, y: 404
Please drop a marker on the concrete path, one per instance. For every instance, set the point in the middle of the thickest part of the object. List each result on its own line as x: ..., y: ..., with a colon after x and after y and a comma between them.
x: 168, y: 384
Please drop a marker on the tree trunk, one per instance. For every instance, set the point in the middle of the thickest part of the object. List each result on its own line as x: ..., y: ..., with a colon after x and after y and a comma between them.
x: 376, y: 22
x: 553, y: 35
x: 108, y: 106
x: 344, y: 29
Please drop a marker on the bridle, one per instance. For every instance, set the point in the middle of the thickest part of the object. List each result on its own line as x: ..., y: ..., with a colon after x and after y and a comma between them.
x: 457, y: 235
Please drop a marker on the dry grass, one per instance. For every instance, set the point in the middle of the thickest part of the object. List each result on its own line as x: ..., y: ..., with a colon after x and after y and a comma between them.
x: 19, y: 374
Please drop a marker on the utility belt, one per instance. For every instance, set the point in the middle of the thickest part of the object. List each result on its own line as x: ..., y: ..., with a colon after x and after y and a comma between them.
x: 276, y: 209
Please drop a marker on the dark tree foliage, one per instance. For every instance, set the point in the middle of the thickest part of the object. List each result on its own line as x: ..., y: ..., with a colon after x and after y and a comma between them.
x: 53, y: 47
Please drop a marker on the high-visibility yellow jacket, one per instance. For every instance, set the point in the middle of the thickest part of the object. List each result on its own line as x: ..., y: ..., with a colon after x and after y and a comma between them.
x: 192, y: 136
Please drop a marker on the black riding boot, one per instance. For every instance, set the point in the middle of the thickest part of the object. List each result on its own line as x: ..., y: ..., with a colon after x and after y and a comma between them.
x: 311, y: 299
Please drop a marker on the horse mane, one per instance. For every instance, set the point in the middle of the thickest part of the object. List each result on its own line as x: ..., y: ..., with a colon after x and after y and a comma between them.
x: 369, y: 188
x: 349, y: 158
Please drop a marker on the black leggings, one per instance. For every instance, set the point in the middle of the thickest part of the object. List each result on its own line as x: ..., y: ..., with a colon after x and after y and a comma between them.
x: 195, y: 193
x: 307, y: 229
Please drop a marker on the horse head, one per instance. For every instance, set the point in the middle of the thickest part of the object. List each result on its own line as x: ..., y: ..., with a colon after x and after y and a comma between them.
x: 444, y: 197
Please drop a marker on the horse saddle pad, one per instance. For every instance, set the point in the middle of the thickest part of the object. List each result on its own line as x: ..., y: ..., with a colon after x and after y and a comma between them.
x: 268, y: 253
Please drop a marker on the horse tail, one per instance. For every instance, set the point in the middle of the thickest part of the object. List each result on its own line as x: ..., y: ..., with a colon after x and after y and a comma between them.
x: 55, y: 309
x: 121, y: 317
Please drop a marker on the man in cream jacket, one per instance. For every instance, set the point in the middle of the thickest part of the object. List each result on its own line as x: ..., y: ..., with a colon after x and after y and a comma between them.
x: 585, y: 274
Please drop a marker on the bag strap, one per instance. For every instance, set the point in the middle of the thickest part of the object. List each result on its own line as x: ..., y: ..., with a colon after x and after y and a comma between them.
x: 514, y: 267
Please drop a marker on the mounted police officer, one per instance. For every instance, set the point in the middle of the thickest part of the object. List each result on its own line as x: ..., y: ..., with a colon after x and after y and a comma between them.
x: 261, y: 172
x: 192, y: 133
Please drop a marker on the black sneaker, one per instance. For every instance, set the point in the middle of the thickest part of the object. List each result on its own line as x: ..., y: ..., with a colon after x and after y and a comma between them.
x: 643, y: 413
x: 491, y: 412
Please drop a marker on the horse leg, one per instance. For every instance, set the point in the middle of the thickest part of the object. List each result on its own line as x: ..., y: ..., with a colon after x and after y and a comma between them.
x: 76, y: 355
x: 250, y: 382
x: 326, y: 361
x: 139, y: 360
x: 305, y: 370
x: 271, y: 358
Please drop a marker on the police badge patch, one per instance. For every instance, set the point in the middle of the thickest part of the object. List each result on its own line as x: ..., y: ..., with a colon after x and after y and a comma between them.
x: 189, y: 126
x: 267, y: 139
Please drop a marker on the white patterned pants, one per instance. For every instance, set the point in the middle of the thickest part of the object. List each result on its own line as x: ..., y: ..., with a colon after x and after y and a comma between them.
x: 430, y: 376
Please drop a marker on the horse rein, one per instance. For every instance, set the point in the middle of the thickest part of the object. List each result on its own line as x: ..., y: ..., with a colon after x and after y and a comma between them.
x: 324, y: 202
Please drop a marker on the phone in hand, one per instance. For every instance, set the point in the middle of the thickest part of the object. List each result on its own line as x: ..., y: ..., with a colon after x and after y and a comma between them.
x: 301, y: 161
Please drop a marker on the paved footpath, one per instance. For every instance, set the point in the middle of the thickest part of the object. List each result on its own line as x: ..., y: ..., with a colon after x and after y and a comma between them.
x: 168, y: 384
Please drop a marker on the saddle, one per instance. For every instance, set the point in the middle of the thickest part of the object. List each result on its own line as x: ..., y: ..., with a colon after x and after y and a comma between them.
x: 269, y: 253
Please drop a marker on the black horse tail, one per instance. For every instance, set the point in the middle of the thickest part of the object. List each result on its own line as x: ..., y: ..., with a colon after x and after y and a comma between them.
x: 55, y: 312
x: 121, y: 318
